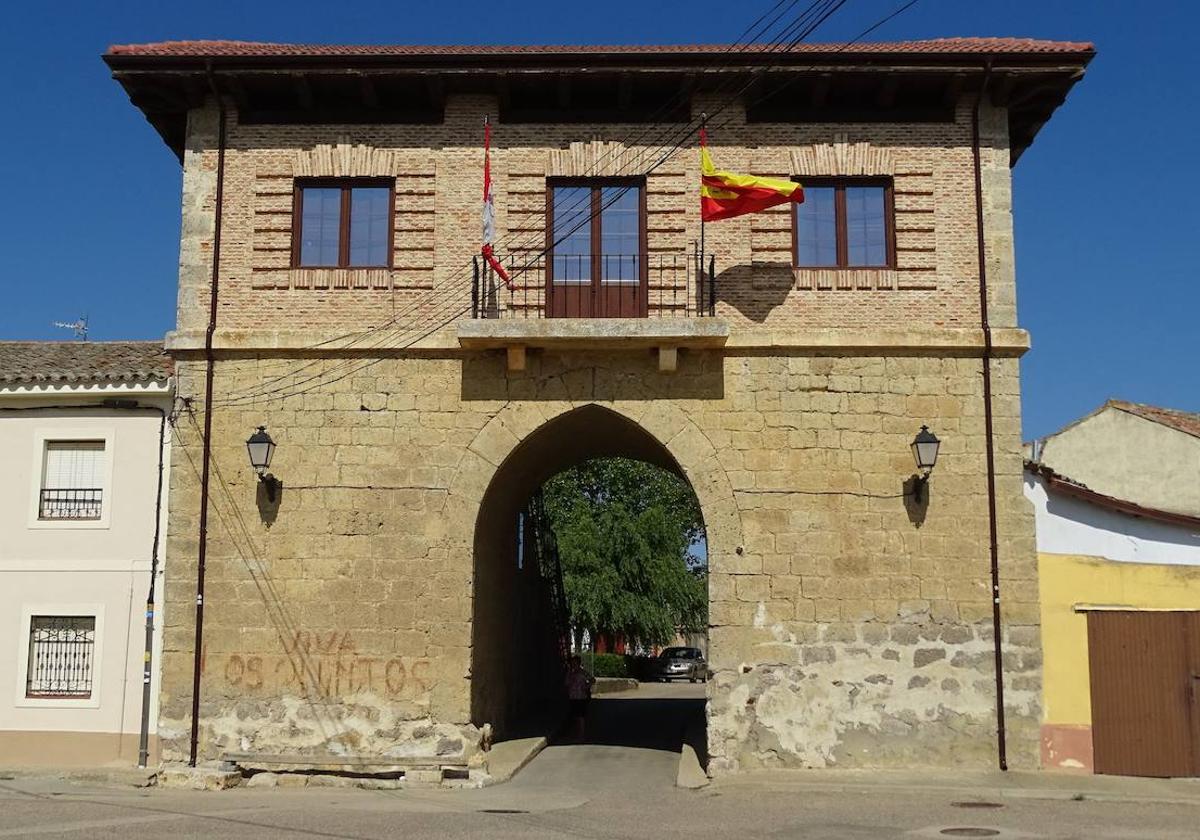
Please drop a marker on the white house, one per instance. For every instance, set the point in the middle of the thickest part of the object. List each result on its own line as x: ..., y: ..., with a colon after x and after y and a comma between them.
x: 84, y: 453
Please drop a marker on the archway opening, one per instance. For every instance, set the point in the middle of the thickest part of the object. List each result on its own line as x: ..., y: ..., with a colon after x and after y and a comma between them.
x: 630, y: 560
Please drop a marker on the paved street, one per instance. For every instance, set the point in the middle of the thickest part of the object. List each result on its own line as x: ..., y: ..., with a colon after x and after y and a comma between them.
x: 620, y: 783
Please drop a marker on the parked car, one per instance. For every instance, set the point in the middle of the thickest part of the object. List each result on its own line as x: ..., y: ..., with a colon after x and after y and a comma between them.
x: 679, y: 662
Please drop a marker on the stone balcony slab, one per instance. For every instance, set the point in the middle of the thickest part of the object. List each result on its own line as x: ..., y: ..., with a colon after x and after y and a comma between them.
x: 593, y: 333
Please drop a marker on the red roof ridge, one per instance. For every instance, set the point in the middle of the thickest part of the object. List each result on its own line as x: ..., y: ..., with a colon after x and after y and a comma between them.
x: 231, y: 47
x: 1187, y: 422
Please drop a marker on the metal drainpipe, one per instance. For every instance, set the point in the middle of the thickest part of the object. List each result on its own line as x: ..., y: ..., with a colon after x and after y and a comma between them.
x: 147, y: 660
x: 206, y: 455
x: 987, y: 421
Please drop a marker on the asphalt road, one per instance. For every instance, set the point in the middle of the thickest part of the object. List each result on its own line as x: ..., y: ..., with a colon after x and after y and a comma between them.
x: 618, y: 784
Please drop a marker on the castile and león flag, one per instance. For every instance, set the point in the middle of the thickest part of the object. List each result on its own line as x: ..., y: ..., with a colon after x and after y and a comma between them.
x: 489, y: 208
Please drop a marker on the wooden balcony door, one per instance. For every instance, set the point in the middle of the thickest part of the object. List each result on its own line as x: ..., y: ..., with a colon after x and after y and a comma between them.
x: 596, y: 244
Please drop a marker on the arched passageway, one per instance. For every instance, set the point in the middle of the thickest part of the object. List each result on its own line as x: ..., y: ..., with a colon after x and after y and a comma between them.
x: 515, y: 677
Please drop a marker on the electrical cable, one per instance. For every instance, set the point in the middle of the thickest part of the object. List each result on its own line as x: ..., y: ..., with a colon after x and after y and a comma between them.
x: 829, y: 7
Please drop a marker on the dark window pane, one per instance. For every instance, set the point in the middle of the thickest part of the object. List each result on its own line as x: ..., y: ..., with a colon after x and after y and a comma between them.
x: 319, y: 225
x: 572, y: 234
x: 620, y: 234
x: 866, y: 235
x: 816, y: 228
x: 369, y: 226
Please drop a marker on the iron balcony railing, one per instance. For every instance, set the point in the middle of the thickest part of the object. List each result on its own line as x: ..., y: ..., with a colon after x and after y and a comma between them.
x: 75, y: 503
x: 595, y: 286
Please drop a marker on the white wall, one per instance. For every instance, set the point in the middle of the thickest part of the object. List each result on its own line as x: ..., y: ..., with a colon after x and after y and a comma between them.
x: 1067, y: 525
x: 100, y: 568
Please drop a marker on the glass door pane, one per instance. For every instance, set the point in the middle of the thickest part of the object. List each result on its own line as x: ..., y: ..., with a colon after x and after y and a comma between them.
x: 620, y: 235
x: 572, y: 232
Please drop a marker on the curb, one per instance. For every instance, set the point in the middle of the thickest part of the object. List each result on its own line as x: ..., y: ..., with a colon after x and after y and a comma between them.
x: 115, y: 777
x: 608, y: 685
x: 1076, y: 794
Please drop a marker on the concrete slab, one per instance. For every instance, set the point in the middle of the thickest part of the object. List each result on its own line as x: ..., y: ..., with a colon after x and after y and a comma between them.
x: 506, y: 758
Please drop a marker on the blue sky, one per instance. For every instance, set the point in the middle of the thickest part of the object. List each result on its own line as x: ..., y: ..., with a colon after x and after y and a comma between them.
x: 1105, y: 200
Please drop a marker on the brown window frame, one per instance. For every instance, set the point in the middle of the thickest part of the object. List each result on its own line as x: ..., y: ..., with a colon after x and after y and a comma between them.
x: 839, y: 212
x: 345, y: 185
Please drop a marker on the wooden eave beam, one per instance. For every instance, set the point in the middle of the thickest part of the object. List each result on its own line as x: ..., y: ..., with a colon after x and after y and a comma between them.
x: 1002, y: 89
x: 435, y: 89
x: 955, y: 85
x: 885, y: 97
x: 563, y: 88
x: 303, y: 91
x: 819, y: 94
x: 233, y: 85
x: 624, y: 91
x: 367, y: 91
x: 503, y: 91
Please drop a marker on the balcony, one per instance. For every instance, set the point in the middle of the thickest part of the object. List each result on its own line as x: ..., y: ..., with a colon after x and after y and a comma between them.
x: 609, y: 301
x: 595, y: 286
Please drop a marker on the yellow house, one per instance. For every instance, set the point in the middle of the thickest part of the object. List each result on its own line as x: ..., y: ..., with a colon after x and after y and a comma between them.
x: 1120, y: 598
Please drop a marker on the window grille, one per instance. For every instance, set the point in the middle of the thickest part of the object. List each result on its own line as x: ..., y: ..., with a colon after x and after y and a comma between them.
x: 61, y: 650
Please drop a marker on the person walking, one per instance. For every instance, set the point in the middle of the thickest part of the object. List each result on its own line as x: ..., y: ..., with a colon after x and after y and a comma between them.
x: 579, y: 694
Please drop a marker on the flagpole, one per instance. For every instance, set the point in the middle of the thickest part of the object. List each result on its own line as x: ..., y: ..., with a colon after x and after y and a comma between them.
x: 700, y: 261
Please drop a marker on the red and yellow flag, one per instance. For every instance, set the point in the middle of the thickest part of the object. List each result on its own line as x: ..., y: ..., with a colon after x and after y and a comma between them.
x: 724, y: 195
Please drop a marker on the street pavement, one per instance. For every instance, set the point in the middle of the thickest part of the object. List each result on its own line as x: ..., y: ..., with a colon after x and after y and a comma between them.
x: 617, y: 783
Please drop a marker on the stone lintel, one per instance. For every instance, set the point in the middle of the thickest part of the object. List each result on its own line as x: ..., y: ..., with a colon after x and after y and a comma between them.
x: 616, y: 334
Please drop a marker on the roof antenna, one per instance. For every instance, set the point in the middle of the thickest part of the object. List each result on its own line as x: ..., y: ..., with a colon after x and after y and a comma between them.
x: 79, y: 328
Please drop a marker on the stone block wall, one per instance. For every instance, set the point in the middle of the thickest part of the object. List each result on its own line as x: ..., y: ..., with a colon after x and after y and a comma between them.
x: 850, y: 626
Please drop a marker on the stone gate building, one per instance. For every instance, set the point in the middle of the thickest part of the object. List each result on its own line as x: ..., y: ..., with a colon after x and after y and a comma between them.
x: 368, y: 609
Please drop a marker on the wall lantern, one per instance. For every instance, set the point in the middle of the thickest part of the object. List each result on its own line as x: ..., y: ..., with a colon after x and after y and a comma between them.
x: 925, y: 451
x: 261, y: 449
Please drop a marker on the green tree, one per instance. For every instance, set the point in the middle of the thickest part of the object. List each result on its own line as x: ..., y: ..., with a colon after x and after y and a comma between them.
x: 625, y: 531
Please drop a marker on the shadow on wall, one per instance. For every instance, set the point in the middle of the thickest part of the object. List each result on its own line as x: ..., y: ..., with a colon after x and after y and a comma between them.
x: 587, y: 375
x: 755, y: 290
x: 916, y: 499
x: 268, y: 508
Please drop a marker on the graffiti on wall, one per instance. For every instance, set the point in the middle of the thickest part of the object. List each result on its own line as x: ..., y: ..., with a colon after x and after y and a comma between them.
x: 327, y: 665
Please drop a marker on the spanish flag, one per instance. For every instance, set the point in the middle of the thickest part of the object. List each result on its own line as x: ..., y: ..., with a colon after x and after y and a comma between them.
x: 724, y: 195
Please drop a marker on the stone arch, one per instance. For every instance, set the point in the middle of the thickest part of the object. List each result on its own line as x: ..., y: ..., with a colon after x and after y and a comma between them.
x: 526, y: 443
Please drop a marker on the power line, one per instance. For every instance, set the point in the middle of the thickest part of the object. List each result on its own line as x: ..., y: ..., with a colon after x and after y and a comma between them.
x: 829, y: 8
x: 758, y: 27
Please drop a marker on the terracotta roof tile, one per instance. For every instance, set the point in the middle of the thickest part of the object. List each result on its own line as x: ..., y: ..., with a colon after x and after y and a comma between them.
x: 1056, y: 481
x: 1183, y: 421
x: 75, y: 362
x: 260, y: 49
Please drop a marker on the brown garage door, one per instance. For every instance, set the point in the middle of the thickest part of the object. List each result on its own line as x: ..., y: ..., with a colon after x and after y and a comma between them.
x: 1145, y: 678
